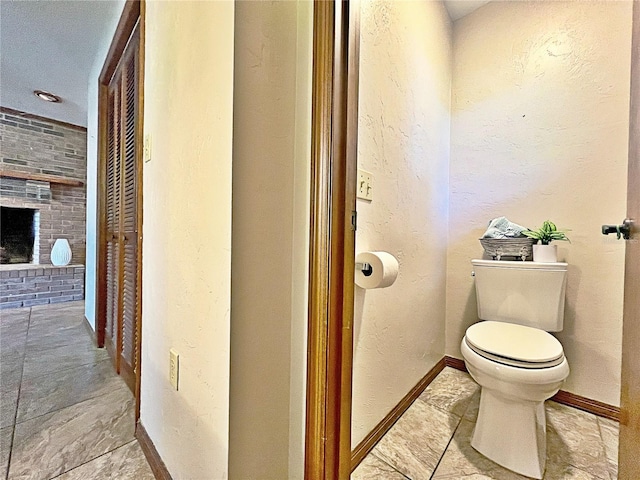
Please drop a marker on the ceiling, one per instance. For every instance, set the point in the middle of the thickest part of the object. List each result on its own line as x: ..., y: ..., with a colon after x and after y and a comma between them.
x: 459, y: 8
x: 50, y: 45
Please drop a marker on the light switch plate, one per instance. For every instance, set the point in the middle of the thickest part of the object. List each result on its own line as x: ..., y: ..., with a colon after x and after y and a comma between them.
x: 364, y: 187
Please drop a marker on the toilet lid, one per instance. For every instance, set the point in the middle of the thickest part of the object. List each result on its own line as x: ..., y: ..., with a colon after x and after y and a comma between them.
x: 514, y: 344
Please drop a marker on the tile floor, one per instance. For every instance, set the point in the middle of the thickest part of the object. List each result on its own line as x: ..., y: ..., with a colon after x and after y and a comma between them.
x: 432, y: 440
x: 64, y: 413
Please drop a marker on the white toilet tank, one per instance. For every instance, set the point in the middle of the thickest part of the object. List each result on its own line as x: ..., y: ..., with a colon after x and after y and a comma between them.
x: 526, y: 293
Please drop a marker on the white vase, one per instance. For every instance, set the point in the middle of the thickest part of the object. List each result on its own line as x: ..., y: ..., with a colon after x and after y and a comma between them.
x: 61, y: 252
x: 545, y: 253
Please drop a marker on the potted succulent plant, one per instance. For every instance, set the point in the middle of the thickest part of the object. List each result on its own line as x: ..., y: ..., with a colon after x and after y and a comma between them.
x: 543, y: 251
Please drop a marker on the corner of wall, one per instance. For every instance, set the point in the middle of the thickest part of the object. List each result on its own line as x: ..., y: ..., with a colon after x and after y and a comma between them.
x: 300, y: 250
x: 271, y: 154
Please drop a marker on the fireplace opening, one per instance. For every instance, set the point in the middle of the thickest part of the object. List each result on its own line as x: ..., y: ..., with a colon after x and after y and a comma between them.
x: 18, y: 235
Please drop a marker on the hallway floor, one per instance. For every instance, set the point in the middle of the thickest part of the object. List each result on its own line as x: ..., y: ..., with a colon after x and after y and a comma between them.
x: 64, y: 413
x: 432, y: 440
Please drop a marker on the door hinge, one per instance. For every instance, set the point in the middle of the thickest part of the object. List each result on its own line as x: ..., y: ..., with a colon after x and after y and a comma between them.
x: 354, y: 220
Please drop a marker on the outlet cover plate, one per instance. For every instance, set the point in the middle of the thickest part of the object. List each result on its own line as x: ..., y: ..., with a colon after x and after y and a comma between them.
x: 146, y: 150
x: 174, y: 368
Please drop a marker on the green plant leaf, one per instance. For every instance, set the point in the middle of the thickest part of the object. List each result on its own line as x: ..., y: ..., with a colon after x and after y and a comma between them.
x: 547, y: 233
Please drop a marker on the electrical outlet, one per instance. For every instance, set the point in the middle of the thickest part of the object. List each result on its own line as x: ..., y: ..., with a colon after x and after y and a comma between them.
x: 174, y: 367
x: 146, y: 149
x: 364, y: 188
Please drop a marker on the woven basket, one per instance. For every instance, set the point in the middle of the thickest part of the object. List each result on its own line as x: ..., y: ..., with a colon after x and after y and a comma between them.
x: 520, y: 248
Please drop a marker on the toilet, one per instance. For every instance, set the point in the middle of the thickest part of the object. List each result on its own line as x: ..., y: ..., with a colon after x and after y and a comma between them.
x: 514, y: 359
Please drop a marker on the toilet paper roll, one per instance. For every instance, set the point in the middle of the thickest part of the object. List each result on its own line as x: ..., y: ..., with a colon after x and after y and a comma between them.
x: 384, y: 270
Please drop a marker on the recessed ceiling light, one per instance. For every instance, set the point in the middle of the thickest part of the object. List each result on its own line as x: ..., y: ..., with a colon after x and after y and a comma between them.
x: 46, y: 96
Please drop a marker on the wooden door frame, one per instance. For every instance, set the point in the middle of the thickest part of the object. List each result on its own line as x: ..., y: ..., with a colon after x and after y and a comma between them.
x: 628, y: 461
x: 132, y: 15
x: 332, y: 239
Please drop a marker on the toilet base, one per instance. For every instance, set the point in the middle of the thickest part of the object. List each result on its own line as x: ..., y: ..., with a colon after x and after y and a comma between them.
x: 511, y: 433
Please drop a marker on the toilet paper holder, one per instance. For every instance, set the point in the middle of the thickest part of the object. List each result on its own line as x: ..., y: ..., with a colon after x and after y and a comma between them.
x: 366, y: 268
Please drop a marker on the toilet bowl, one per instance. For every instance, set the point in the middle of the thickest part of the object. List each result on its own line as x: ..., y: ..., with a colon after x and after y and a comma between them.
x: 514, y: 359
x: 517, y: 368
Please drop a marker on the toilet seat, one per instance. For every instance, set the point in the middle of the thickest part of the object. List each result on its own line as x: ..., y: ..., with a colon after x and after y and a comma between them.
x: 514, y: 345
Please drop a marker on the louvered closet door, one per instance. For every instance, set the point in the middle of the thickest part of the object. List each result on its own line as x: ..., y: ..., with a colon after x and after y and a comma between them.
x: 122, y: 242
x: 113, y: 222
x: 129, y: 224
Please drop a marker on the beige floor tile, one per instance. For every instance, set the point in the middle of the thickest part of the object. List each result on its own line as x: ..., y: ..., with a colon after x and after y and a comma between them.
x: 573, y: 438
x: 451, y: 391
x: 416, y: 442
x: 124, y: 463
x: 11, y: 362
x: 580, y: 446
x: 13, y: 329
x: 461, y: 460
x: 41, y: 362
x: 473, y: 407
x: 66, y: 309
x: 567, y: 472
x: 13, y: 312
x: 54, y: 443
x: 75, y: 414
x: 57, y: 334
x: 473, y: 476
x: 5, y: 448
x: 47, y: 393
x: 610, y: 431
x: 372, y: 468
x: 8, y: 407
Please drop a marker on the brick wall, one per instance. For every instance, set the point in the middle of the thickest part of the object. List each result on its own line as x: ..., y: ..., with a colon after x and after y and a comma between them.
x: 35, y: 145
x: 38, y: 285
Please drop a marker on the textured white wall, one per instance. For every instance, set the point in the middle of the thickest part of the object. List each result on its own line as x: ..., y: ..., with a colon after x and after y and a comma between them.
x: 187, y: 233
x: 271, y: 166
x: 92, y: 162
x: 539, y: 131
x: 405, y: 76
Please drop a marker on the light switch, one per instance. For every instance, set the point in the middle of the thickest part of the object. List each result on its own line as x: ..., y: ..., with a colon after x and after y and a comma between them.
x: 364, y: 187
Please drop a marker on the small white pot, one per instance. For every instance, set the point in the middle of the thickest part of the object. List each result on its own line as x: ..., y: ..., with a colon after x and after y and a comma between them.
x: 545, y: 253
x: 61, y: 252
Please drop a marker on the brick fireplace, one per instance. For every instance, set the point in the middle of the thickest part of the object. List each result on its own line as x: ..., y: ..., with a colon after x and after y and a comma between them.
x: 43, y: 198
